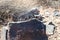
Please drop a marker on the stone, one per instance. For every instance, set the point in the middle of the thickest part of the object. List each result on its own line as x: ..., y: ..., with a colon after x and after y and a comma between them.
x: 47, y: 13
x: 56, y: 13
x: 3, y: 33
x: 30, y: 30
x: 29, y: 15
x: 50, y: 29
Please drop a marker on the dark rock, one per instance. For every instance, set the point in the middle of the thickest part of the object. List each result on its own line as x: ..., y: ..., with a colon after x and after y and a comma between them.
x: 30, y: 30
x: 29, y: 15
x: 50, y: 23
x: 26, y: 16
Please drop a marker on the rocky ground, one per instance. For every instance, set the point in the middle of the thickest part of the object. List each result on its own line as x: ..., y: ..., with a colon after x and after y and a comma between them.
x: 56, y: 20
x: 47, y: 11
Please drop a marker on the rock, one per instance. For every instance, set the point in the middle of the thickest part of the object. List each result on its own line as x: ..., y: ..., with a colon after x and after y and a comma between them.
x: 50, y: 23
x: 3, y: 33
x: 50, y: 29
x: 56, y: 13
x: 30, y: 30
x: 29, y: 15
x: 15, y: 17
x: 47, y: 13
